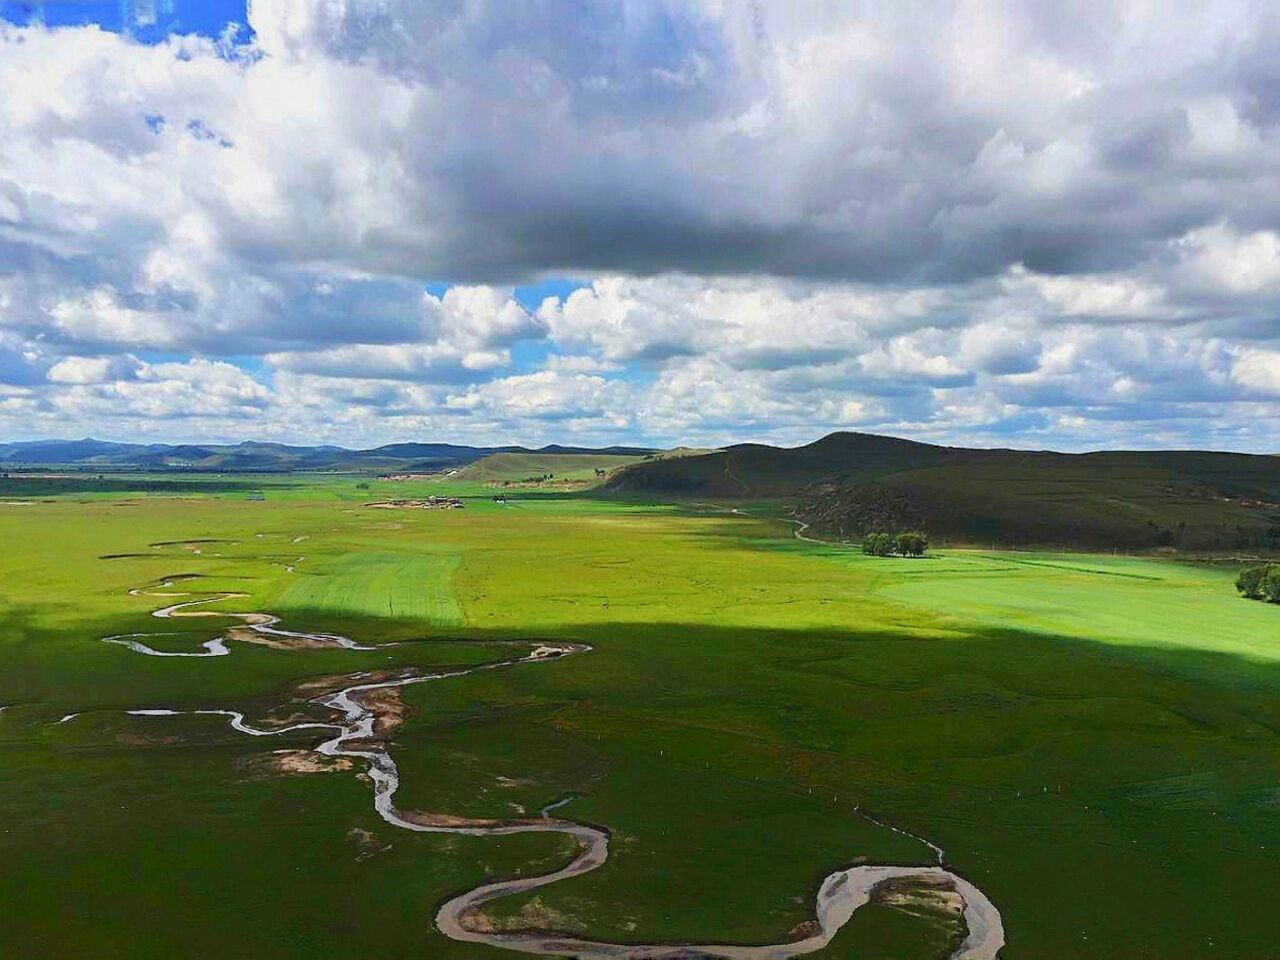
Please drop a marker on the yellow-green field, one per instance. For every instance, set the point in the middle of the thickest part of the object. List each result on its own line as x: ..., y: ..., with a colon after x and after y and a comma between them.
x: 1095, y: 741
x: 404, y: 586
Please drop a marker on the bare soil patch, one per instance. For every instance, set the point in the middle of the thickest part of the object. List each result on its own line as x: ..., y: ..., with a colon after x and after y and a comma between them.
x: 534, y: 915
x: 425, y: 818
x: 332, y: 683
x: 277, y: 641
x: 804, y: 930
x: 292, y: 763
x: 388, y: 708
x: 921, y: 894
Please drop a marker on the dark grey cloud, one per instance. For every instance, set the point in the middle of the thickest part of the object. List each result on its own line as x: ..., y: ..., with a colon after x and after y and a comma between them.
x: 860, y: 143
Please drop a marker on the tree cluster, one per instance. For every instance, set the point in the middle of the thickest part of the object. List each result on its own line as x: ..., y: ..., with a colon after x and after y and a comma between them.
x: 913, y: 543
x: 1260, y: 583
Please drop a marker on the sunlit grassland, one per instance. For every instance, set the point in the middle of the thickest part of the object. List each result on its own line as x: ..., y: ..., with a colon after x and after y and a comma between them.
x: 1092, y: 739
x: 395, y: 585
x: 1113, y: 600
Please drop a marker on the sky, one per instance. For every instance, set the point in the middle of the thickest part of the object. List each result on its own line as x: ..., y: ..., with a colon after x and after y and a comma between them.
x: 1026, y: 224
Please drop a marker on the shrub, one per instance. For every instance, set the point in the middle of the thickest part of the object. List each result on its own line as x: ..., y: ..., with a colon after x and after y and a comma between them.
x: 1250, y: 581
x: 911, y: 544
x: 1271, y: 584
x: 877, y: 544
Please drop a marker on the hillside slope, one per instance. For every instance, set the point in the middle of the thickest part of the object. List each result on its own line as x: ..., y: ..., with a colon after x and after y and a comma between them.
x: 1194, y: 501
x: 848, y: 484
x: 530, y: 467
x: 753, y: 470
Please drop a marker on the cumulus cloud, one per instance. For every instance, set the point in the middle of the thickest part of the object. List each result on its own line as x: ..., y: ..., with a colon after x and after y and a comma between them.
x: 435, y: 363
x: 1259, y: 370
x: 193, y: 389
x: 460, y: 336
x: 996, y: 221
x: 547, y: 395
x: 999, y: 348
x: 85, y: 370
x: 754, y: 323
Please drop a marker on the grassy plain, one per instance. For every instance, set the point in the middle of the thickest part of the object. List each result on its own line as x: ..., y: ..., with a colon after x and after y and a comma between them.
x: 1095, y: 741
x: 399, y: 586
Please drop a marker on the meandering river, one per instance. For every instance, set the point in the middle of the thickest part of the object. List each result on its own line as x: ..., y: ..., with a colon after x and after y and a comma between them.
x: 352, y: 735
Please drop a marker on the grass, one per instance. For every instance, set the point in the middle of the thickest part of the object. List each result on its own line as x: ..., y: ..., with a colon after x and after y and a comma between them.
x: 1096, y: 599
x: 394, y: 585
x: 1095, y: 741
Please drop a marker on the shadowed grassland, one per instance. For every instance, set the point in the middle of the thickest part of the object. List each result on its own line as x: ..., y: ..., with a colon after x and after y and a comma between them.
x: 1095, y: 741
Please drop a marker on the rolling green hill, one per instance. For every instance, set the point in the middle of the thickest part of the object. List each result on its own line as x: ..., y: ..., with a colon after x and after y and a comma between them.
x: 753, y: 470
x: 528, y: 467
x: 1098, y: 501
x: 847, y: 484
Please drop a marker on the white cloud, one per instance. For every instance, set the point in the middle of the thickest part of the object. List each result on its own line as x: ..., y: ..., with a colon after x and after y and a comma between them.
x: 432, y: 362
x: 989, y: 220
x: 752, y: 323
x: 85, y: 370
x: 1234, y: 263
x: 482, y: 316
x: 1259, y: 371
x: 191, y: 390
x: 461, y: 336
x: 1105, y: 296
x: 920, y: 358
x: 547, y: 395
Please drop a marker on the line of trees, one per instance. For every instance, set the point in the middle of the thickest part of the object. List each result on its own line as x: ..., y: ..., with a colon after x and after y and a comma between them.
x: 1260, y: 583
x: 913, y: 543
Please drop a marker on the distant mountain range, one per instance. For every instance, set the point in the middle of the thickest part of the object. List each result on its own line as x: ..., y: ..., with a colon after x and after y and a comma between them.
x: 848, y: 484
x: 256, y: 456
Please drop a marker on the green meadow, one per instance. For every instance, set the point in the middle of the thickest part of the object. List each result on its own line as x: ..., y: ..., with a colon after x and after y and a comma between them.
x: 1093, y: 740
x: 398, y: 586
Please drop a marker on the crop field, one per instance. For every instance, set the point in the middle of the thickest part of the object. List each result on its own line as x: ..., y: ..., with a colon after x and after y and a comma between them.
x: 1094, y: 741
